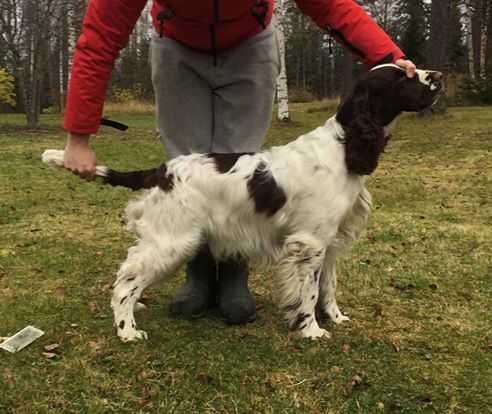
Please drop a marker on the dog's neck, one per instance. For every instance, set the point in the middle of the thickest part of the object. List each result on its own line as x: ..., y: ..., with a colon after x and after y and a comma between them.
x: 336, y: 129
x: 339, y: 132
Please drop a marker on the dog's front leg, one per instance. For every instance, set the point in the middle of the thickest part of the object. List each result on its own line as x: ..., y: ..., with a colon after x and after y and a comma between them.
x: 327, y: 303
x: 298, y: 277
x: 137, y: 272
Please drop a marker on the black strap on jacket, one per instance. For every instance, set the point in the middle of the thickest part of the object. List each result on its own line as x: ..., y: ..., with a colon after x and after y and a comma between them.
x: 259, y: 10
x: 162, y: 16
x: 114, y: 124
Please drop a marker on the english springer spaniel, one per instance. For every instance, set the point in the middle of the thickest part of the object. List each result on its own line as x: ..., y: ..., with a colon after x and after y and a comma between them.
x: 296, y: 206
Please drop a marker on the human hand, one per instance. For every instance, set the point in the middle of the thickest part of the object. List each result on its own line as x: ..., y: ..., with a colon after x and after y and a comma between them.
x: 79, y: 157
x: 408, y: 66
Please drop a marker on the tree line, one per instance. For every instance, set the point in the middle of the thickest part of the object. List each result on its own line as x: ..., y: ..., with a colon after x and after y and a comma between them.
x: 37, y: 38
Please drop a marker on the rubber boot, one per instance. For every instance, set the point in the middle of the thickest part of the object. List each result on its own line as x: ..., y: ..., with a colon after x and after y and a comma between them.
x: 199, y: 292
x: 236, y: 304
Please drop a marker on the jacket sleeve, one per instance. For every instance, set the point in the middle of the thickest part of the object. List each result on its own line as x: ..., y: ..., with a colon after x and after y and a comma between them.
x: 106, y: 28
x: 351, y: 25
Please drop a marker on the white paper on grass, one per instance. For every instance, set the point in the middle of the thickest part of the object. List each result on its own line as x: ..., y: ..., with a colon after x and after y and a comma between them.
x: 21, y: 339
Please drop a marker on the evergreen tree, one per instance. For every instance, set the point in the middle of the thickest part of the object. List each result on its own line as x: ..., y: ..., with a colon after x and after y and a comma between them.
x: 413, y: 22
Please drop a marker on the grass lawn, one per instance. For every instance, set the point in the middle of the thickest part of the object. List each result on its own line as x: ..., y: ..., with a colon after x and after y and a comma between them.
x: 418, y: 287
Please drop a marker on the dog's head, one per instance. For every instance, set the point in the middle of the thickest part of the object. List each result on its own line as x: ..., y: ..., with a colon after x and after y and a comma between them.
x: 377, y: 99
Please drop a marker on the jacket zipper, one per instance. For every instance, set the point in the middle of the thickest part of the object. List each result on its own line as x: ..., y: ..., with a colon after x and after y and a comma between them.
x: 259, y: 10
x: 213, y: 31
x: 162, y: 17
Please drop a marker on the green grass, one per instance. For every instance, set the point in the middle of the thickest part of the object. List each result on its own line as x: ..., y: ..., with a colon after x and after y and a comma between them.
x: 417, y: 286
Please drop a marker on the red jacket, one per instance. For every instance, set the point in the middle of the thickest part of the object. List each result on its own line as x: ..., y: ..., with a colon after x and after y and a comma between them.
x: 205, y: 25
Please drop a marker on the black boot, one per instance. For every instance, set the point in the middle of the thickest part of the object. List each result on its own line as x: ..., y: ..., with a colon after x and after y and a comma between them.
x: 236, y: 303
x: 199, y: 292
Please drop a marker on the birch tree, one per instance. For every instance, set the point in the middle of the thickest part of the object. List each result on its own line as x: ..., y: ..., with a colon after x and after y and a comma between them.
x: 468, y: 17
x: 282, y: 90
x: 484, y: 28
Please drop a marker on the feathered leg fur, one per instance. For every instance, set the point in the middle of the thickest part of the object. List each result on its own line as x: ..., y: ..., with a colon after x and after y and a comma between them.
x: 298, y: 277
x: 348, y: 232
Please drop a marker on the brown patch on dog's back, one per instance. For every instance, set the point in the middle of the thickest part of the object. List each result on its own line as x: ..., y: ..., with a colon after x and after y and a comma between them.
x: 224, y: 162
x: 267, y: 195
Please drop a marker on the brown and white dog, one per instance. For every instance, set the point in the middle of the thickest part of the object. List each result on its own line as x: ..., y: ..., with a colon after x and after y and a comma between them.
x: 296, y: 207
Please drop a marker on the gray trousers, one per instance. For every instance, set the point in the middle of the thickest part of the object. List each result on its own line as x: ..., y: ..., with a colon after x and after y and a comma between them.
x: 223, y: 106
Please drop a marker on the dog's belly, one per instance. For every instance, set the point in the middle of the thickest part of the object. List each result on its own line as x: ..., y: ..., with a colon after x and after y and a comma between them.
x: 258, y: 238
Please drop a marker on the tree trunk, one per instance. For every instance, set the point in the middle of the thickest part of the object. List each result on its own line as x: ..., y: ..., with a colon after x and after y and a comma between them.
x: 484, y: 38
x: 347, y: 74
x: 469, y: 39
x: 438, y: 53
x: 282, y: 91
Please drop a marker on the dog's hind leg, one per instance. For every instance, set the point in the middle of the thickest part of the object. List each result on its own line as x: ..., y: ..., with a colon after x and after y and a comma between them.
x: 298, y: 277
x: 146, y: 264
x: 327, y: 303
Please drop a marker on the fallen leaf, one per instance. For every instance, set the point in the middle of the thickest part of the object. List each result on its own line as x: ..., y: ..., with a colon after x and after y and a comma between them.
x: 380, y: 405
x: 50, y: 355
x: 357, y: 384
x: 204, y: 378
x: 51, y: 347
x: 378, y: 310
x: 145, y: 403
x: 93, y: 307
x: 94, y: 345
x: 345, y: 348
x: 8, y: 375
x: 336, y: 370
x: 269, y: 385
x: 143, y: 375
x: 60, y: 292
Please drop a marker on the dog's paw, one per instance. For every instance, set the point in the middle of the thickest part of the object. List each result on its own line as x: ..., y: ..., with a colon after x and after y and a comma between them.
x: 335, y: 314
x: 315, y: 333
x: 133, y: 335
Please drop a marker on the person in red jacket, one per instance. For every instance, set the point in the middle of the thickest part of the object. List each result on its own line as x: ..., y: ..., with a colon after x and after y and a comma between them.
x: 214, y: 67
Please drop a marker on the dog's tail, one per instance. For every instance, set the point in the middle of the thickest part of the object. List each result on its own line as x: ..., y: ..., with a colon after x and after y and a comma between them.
x: 135, y: 180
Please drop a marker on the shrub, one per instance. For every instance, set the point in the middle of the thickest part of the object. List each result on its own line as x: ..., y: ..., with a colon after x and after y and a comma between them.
x: 476, y: 92
x: 298, y: 95
x: 123, y: 95
x: 7, y: 94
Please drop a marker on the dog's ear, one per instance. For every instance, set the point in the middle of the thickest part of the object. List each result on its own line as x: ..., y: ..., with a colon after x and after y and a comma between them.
x: 364, y: 137
x: 364, y: 143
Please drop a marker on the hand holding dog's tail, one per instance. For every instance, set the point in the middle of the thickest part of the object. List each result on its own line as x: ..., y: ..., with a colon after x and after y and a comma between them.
x: 135, y: 180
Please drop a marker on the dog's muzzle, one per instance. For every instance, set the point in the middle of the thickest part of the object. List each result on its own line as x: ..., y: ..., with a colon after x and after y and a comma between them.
x: 435, y: 79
